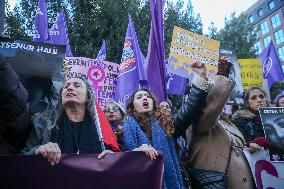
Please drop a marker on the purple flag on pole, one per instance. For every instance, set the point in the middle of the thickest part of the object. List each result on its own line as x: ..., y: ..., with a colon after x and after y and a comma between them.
x: 40, y: 27
x: 175, y: 84
x: 131, y: 71
x: 102, y: 53
x: 58, y: 33
x: 155, y: 57
x: 271, y: 66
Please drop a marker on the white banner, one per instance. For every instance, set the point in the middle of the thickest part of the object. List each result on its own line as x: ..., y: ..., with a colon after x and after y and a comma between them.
x: 267, y: 174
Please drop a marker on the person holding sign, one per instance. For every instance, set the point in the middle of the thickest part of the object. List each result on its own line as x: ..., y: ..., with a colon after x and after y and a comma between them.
x: 248, y: 120
x: 147, y: 127
x: 72, y: 128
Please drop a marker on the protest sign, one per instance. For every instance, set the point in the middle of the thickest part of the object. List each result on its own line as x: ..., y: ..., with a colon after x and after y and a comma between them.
x: 273, y: 124
x: 234, y: 75
x: 39, y: 67
x: 251, y: 73
x: 34, y: 59
x: 116, y: 170
x: 266, y: 174
x: 101, y: 74
x: 188, y: 47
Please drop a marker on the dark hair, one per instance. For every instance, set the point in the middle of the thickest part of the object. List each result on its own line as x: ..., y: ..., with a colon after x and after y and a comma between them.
x: 57, y: 113
x: 144, y: 118
x: 247, y: 92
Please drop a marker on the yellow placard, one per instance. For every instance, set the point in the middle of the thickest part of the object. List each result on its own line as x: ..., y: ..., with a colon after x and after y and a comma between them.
x: 251, y: 73
x: 188, y: 47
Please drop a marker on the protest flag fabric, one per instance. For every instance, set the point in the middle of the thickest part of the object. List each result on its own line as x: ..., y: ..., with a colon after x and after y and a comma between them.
x: 131, y: 71
x: 106, y: 130
x: 58, y: 33
x: 102, y: 53
x: 155, y: 58
x: 271, y: 66
x: 40, y: 28
x: 175, y: 84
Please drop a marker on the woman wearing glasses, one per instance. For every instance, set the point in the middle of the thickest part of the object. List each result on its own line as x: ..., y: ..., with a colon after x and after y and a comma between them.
x: 248, y: 120
x: 115, y: 115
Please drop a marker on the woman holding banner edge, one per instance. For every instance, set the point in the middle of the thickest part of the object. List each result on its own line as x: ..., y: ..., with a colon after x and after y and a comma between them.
x: 147, y: 127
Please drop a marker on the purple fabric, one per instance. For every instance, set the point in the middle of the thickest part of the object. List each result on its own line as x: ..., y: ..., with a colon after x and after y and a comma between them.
x: 271, y: 65
x: 117, y: 170
x: 131, y: 72
x: 102, y: 53
x: 59, y: 35
x: 175, y: 84
x: 40, y: 28
x: 155, y: 57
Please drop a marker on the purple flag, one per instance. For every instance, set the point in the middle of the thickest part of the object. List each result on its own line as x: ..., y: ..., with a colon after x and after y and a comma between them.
x: 131, y: 71
x: 58, y: 33
x: 155, y: 57
x: 271, y: 66
x: 175, y: 84
x: 40, y: 28
x: 102, y: 53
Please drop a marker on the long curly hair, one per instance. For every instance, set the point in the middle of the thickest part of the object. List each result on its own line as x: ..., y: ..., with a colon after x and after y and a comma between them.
x: 164, y: 120
x: 59, y: 110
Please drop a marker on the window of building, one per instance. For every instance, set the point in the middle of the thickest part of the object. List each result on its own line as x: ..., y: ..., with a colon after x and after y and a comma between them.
x: 266, y: 41
x: 257, y: 47
x: 279, y: 36
x: 281, y: 53
x: 260, y: 12
x: 271, y: 5
x: 251, y: 19
x: 264, y: 27
x: 275, y: 21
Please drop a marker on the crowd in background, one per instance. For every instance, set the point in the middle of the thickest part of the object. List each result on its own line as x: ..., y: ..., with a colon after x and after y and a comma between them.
x: 198, y: 137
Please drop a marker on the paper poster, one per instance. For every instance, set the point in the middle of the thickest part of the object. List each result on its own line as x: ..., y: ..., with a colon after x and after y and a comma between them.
x: 188, y: 47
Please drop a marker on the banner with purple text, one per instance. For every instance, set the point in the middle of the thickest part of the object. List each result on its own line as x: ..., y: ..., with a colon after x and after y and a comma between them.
x: 266, y: 174
x: 101, y: 74
x: 117, y: 170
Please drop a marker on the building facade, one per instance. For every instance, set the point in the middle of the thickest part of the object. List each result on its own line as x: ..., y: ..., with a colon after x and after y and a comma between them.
x: 267, y: 18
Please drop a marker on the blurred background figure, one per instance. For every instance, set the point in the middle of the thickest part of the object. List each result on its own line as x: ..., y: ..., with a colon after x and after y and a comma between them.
x: 248, y: 119
x: 115, y: 114
x: 279, y: 99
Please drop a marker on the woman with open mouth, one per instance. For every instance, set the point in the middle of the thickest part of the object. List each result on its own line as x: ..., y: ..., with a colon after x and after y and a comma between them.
x: 147, y: 128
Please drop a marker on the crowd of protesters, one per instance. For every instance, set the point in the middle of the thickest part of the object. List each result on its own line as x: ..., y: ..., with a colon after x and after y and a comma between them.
x: 198, y: 137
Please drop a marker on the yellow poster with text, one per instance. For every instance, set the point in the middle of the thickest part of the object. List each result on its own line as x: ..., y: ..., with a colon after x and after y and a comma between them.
x: 187, y: 48
x: 251, y: 73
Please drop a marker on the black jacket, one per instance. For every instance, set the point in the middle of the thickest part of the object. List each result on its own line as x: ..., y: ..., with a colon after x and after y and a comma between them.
x: 190, y: 111
x: 14, y: 111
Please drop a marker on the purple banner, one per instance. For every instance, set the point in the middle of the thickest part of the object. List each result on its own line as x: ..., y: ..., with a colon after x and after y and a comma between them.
x: 59, y: 35
x: 271, y: 65
x: 131, y: 71
x: 40, y: 28
x: 117, y: 170
x: 102, y: 53
x: 155, y: 58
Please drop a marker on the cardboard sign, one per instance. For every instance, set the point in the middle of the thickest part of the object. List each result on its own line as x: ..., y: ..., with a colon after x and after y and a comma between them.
x: 101, y: 74
x: 251, y: 73
x: 187, y: 48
